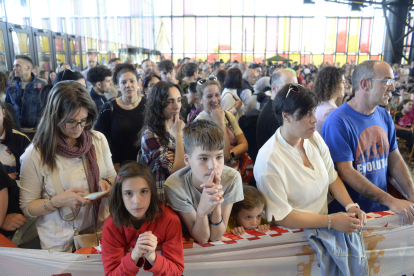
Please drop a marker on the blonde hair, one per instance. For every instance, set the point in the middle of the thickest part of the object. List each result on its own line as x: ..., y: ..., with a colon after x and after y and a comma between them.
x: 201, y: 87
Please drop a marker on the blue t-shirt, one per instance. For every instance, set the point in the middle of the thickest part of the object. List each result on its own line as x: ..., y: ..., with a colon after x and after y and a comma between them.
x: 367, y: 141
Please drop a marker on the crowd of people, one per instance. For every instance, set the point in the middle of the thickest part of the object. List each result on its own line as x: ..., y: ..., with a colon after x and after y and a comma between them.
x: 198, y: 149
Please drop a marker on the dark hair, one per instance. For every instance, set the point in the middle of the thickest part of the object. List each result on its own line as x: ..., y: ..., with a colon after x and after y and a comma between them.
x: 117, y: 209
x: 67, y: 75
x: 304, y: 101
x: 112, y: 60
x: 98, y: 74
x: 149, y: 78
x: 327, y: 82
x: 7, y: 119
x: 49, y: 81
x: 145, y: 61
x: 166, y: 65
x: 252, y: 198
x: 405, y: 101
x: 44, y: 93
x: 234, y: 79
x: 27, y: 59
x: 221, y: 77
x: 254, y: 66
x: 192, y: 87
x: 203, y: 133
x: 123, y: 68
x: 154, y: 118
x: 190, y: 69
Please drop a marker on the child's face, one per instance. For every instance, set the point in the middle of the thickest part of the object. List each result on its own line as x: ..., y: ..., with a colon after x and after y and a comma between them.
x: 136, y: 194
x: 203, y: 162
x: 249, y: 219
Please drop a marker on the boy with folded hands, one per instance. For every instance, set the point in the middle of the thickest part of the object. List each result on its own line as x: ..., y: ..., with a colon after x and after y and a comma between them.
x: 203, y: 192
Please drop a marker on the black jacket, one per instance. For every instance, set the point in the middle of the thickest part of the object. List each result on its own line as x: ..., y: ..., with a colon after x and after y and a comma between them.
x: 17, y: 142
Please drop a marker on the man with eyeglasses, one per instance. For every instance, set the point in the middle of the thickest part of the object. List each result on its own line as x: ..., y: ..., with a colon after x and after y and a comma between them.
x: 23, y: 93
x: 362, y: 141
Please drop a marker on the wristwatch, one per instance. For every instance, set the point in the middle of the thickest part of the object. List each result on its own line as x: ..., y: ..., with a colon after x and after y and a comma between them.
x: 232, y: 155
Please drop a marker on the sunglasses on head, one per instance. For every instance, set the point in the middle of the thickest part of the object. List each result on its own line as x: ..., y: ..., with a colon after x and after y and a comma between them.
x: 203, y: 81
x: 295, y: 88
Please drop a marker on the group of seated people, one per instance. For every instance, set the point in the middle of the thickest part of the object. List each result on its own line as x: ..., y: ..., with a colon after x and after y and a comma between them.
x: 188, y: 178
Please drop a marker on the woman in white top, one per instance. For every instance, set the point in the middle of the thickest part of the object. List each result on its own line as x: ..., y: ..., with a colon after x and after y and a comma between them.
x: 65, y: 150
x: 236, y: 144
x: 329, y: 86
x: 230, y: 101
x: 294, y: 169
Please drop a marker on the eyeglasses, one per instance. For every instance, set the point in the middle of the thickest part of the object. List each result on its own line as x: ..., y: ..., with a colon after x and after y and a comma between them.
x: 389, y: 81
x: 71, y: 125
x: 294, y: 88
x: 203, y: 81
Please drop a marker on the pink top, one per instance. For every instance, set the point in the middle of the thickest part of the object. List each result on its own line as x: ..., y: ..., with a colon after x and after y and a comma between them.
x: 322, y: 112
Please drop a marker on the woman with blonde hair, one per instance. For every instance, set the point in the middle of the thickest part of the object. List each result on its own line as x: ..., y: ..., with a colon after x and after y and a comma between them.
x: 67, y: 156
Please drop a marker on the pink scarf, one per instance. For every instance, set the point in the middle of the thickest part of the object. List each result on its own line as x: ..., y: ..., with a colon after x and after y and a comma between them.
x: 85, y: 147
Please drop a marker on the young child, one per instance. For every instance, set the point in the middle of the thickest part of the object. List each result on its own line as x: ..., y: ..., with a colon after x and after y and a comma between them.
x: 247, y: 214
x: 204, y: 191
x: 137, y: 223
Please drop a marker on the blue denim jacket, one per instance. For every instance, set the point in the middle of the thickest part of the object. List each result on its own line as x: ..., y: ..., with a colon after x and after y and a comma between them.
x: 339, y: 254
x: 27, y: 107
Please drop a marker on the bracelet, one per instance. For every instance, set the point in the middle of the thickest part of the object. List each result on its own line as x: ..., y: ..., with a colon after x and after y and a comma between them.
x: 215, y: 224
x: 329, y: 222
x: 50, y: 201
x: 349, y: 206
x: 44, y: 205
x: 107, y: 180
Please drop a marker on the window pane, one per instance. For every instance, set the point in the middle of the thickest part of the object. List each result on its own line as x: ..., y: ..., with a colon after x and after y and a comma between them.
x: 212, y: 56
x: 248, y: 7
x: 351, y: 59
x: 212, y: 34
x: 177, y: 56
x: 163, y: 7
x: 201, y: 34
x: 362, y: 58
x: 260, y: 7
x: 305, y: 59
x: 237, y: 57
x: 271, y: 34
x: 189, y: 34
x: 260, y: 35
x: 178, y: 46
x: 317, y: 60
x: 258, y: 58
x: 330, y: 35
x: 295, y: 30
x: 283, y: 34
x: 177, y: 7
x: 236, y: 34
x: 163, y: 34
x: 248, y: 34
x: 307, y: 34
x: 294, y: 57
x: 189, y: 7
x: 328, y: 59
x: 225, y: 8
x: 378, y: 33
x: 248, y: 57
x: 340, y: 58
x: 318, y: 35
x: 236, y: 7
x: 224, y: 32
x: 224, y: 56
x: 354, y: 35
x: 342, y: 35
x: 43, y: 52
x: 365, y: 35
x: 203, y: 57
x: 21, y: 44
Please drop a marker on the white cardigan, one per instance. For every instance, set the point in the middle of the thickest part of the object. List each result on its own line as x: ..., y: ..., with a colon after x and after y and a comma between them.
x: 36, y: 183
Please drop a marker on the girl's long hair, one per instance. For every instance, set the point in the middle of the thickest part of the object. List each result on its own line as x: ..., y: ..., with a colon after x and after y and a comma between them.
x: 154, y: 118
x: 65, y: 99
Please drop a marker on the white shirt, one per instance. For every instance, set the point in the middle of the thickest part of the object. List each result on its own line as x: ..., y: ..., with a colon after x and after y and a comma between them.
x: 228, y: 101
x: 36, y: 183
x: 229, y: 118
x: 287, y: 184
x: 6, y: 156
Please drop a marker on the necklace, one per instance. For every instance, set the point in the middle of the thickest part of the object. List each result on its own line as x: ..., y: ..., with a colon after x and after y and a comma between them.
x: 129, y: 103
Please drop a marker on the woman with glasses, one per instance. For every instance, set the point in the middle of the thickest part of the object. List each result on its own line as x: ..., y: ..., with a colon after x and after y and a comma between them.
x: 149, y: 82
x: 121, y: 119
x: 329, y: 86
x: 210, y: 97
x: 294, y: 169
x: 66, y: 160
x: 161, y: 137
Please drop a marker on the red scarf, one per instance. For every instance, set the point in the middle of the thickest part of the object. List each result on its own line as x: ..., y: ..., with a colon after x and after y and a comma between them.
x: 85, y: 147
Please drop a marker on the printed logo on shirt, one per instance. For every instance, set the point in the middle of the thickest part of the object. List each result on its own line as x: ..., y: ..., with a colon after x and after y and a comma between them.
x: 372, y: 151
x: 12, y: 84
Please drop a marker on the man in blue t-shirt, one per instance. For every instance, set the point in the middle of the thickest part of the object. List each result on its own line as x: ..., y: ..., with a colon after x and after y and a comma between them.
x: 362, y: 141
